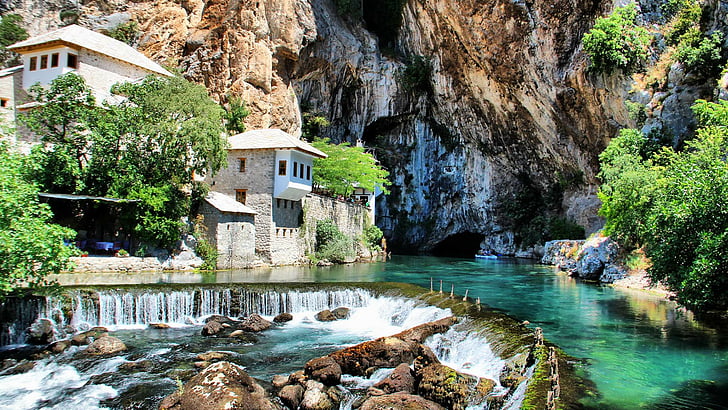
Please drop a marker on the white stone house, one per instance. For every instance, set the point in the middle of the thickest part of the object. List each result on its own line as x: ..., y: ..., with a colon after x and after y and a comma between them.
x: 231, y: 229
x: 101, y: 60
x: 271, y: 172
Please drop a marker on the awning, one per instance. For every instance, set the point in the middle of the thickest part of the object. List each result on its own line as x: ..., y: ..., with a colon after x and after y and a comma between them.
x: 71, y: 197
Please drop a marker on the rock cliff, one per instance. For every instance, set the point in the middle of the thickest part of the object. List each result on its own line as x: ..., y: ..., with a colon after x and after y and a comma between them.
x: 505, y: 127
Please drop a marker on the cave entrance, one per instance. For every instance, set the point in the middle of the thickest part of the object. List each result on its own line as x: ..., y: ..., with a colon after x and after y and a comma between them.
x: 459, y: 245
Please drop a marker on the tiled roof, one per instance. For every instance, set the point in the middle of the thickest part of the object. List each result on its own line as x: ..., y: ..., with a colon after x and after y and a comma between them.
x: 226, y: 203
x: 91, y: 40
x: 272, y: 139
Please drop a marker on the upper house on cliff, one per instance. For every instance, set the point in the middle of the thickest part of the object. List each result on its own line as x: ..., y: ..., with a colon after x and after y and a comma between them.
x: 101, y: 60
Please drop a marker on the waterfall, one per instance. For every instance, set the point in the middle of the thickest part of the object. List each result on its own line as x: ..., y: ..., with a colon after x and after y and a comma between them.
x: 179, y: 307
x: 23, y: 312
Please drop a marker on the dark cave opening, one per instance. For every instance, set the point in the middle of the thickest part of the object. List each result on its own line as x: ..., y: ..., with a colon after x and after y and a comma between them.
x: 459, y: 245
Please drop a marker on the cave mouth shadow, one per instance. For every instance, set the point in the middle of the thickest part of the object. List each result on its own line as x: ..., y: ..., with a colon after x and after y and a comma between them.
x: 459, y: 245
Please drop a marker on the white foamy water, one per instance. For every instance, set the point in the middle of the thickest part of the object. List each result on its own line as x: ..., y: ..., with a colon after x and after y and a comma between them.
x: 56, y: 386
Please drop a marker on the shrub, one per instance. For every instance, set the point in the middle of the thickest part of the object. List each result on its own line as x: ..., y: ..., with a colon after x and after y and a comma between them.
x: 700, y: 53
x: 688, y: 13
x: 617, y: 42
x: 373, y: 236
x: 416, y: 75
x: 126, y: 32
x: 204, y: 249
x: 331, y: 243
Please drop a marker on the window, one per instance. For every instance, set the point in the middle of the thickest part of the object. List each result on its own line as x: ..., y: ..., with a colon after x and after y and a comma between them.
x: 241, y: 164
x: 281, y: 167
x: 33, y: 63
x: 54, y: 60
x: 308, y: 172
x: 72, y: 60
x: 241, y: 195
x: 300, y: 172
x: 295, y: 169
x: 43, y: 62
x: 3, y: 102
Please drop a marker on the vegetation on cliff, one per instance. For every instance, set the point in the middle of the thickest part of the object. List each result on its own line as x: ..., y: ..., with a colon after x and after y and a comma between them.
x: 10, y: 33
x: 673, y: 202
x: 146, y: 148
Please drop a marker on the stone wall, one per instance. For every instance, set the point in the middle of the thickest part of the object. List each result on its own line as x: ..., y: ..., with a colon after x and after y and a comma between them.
x: 350, y: 218
x: 233, y: 235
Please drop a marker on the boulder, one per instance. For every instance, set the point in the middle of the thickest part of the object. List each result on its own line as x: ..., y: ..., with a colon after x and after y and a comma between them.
x: 40, y: 332
x: 362, y: 359
x: 323, y: 369
x: 23, y: 367
x: 222, y: 385
x: 254, y: 323
x: 325, y: 316
x: 59, y: 346
x: 318, y: 397
x: 419, y: 333
x: 283, y: 317
x: 88, y: 336
x: 159, y: 326
x: 399, y: 401
x: 210, y: 356
x: 452, y: 389
x: 291, y: 395
x: 218, y: 319
x: 402, y: 379
x: 341, y: 312
x: 279, y: 381
x: 106, y: 345
x: 212, y: 328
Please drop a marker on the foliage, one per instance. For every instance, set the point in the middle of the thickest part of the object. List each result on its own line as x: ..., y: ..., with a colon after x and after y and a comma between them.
x: 562, y: 228
x: 204, y: 248
x: 235, y: 115
x: 332, y: 244
x: 313, y: 122
x: 126, y: 32
x: 10, y: 33
x: 676, y: 208
x: 30, y: 247
x: 636, y: 112
x: 617, y: 42
x: 347, y: 167
x: 700, y: 53
x: 416, y: 75
x: 687, y: 16
x: 372, y: 236
x: 147, y: 148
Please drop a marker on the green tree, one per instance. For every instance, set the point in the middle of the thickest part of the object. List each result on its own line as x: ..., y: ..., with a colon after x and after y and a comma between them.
x: 30, y: 247
x: 235, y: 115
x: 126, y: 32
x: 617, y: 42
x: 148, y: 147
x: 674, y: 204
x: 10, y: 33
x: 346, y: 168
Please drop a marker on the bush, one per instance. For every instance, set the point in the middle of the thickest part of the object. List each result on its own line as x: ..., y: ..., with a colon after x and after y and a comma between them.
x: 688, y: 14
x: 204, y: 249
x: 701, y: 54
x: 332, y: 244
x: 126, y: 32
x: 416, y: 75
x: 373, y: 236
x: 617, y: 42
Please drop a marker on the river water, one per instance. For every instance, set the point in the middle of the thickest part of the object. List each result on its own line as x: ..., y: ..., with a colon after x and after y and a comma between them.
x: 640, y: 351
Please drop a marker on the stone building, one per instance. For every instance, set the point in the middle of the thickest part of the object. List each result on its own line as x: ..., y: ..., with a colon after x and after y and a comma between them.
x: 101, y: 60
x: 271, y: 171
x: 231, y: 228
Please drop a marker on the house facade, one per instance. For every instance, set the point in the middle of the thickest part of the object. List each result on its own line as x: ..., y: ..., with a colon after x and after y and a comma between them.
x: 101, y: 60
x: 271, y: 172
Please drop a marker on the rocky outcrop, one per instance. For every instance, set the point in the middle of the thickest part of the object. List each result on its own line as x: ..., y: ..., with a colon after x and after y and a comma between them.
x: 41, y: 332
x: 283, y: 317
x: 222, y: 385
x: 324, y: 370
x: 594, y: 259
x: 401, y: 380
x: 399, y: 401
x: 223, y: 326
x: 451, y: 388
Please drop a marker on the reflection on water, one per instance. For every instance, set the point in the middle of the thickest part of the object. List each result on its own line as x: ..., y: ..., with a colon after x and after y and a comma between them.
x: 642, y: 351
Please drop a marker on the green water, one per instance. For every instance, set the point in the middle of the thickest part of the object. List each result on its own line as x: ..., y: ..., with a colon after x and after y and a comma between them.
x: 640, y: 351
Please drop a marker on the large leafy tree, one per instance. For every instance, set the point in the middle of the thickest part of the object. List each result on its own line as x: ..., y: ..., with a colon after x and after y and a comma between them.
x: 147, y: 147
x: 30, y: 247
x: 347, y: 168
x: 675, y: 204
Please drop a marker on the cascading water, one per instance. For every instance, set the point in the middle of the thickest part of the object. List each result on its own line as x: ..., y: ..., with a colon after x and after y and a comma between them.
x: 279, y: 350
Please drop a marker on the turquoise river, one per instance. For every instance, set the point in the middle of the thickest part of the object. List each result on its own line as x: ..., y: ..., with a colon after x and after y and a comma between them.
x: 640, y: 350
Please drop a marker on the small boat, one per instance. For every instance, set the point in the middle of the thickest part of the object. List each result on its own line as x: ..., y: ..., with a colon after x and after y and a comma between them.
x: 491, y: 256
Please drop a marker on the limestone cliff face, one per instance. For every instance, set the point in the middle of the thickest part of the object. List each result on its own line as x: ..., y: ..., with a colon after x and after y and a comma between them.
x: 509, y: 116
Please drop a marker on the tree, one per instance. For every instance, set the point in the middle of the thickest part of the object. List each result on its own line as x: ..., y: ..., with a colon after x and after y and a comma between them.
x: 235, y: 115
x: 674, y: 204
x: 346, y: 168
x: 30, y: 247
x: 147, y: 147
x: 617, y: 42
x: 10, y: 33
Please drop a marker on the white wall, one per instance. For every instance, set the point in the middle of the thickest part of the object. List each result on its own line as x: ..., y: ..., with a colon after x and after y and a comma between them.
x: 46, y: 75
x: 289, y: 186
